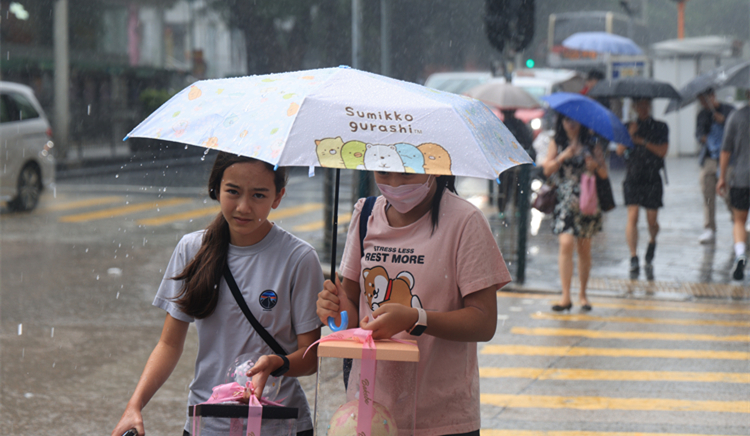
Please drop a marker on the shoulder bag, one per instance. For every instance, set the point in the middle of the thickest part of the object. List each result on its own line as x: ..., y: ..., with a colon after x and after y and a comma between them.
x: 588, y: 200
x: 604, y: 193
x: 546, y: 199
x: 364, y: 215
x: 278, y: 349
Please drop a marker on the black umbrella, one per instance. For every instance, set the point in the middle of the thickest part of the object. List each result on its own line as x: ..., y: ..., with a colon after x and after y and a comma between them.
x: 737, y: 74
x: 633, y: 87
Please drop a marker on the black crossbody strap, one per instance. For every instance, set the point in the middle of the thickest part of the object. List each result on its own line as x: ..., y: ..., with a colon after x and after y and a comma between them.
x: 363, y: 217
x: 249, y: 315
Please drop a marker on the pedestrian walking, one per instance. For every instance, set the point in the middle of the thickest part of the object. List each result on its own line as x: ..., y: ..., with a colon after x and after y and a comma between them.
x: 276, y: 274
x: 573, y: 152
x: 736, y: 149
x: 509, y: 185
x: 642, y: 187
x: 709, y: 131
x: 428, y: 269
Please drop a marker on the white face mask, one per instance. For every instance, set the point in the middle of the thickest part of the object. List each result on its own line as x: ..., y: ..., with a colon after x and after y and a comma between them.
x: 405, y: 197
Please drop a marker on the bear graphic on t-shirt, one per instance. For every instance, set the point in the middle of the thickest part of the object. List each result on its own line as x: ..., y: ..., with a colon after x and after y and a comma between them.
x: 381, y: 289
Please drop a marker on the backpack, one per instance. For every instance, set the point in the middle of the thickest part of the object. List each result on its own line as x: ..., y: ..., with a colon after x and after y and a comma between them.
x: 363, y: 217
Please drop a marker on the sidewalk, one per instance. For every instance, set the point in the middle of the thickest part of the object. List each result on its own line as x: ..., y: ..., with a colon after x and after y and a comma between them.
x: 683, y: 268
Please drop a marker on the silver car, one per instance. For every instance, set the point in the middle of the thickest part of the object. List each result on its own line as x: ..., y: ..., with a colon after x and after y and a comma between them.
x: 26, y: 159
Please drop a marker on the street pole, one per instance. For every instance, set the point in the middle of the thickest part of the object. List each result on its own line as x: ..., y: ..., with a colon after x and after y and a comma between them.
x: 62, y: 78
x: 385, y: 38
x: 361, y: 179
x: 524, y: 192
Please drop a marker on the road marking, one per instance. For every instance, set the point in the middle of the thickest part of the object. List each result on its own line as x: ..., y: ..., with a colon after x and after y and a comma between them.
x: 666, y: 307
x: 595, y: 374
x: 494, y: 432
x: 531, y: 350
x: 279, y: 214
x: 81, y: 203
x: 213, y: 210
x: 610, y: 403
x: 669, y: 321
x: 318, y: 225
x: 122, y: 210
x: 181, y: 216
x: 605, y: 334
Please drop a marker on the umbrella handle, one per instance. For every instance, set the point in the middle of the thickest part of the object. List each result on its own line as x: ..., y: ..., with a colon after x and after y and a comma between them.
x: 344, y: 322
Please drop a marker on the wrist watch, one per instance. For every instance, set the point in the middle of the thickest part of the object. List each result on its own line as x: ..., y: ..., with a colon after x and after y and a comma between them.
x: 283, y: 368
x: 421, y: 324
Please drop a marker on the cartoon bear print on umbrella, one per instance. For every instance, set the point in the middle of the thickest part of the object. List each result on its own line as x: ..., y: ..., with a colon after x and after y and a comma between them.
x: 329, y: 152
x: 428, y: 158
x: 436, y: 159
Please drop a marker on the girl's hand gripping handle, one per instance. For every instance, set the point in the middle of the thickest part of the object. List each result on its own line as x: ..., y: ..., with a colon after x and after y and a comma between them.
x: 344, y: 322
x: 329, y: 306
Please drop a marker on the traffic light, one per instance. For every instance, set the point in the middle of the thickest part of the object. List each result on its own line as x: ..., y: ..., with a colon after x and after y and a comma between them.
x: 509, y: 21
x: 530, y: 63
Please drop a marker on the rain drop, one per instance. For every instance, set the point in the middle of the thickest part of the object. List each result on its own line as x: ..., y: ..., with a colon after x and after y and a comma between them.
x: 87, y: 250
x: 117, y: 176
x: 52, y: 333
x: 88, y: 110
x: 53, y: 364
x: 97, y: 276
x: 20, y: 329
x: 117, y: 297
x: 28, y: 395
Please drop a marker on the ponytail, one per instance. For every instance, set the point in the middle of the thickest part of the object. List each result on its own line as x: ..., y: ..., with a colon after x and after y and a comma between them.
x: 202, y: 276
x: 443, y: 183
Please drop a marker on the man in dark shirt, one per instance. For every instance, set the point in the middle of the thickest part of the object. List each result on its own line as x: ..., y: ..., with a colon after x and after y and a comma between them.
x: 642, y: 186
x: 709, y: 130
x: 509, y: 179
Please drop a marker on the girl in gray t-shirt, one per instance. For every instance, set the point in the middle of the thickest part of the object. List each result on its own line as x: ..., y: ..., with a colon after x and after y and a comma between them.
x: 279, y: 277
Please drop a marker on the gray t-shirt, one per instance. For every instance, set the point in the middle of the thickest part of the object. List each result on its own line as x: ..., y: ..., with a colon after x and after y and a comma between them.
x: 737, y: 142
x: 280, y: 278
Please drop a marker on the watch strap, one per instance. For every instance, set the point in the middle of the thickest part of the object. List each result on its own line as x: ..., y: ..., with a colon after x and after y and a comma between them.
x: 421, y: 324
x: 283, y: 369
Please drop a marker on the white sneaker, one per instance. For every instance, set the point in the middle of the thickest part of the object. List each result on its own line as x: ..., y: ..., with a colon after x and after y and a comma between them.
x: 707, y: 237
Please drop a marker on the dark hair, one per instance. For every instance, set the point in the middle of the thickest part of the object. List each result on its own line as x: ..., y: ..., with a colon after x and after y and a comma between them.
x: 561, y: 138
x: 595, y: 75
x: 202, y: 276
x: 443, y: 183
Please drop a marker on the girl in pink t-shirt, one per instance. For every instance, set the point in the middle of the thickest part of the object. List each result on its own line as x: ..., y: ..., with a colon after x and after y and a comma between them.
x: 429, y: 271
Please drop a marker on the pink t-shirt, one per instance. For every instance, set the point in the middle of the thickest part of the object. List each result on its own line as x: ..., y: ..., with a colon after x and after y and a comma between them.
x: 411, y: 266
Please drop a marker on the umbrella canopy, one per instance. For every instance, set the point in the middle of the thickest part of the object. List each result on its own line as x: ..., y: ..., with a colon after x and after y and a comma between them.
x: 602, y: 42
x: 726, y: 75
x: 634, y: 87
x: 339, y: 118
x: 591, y: 114
x: 503, y: 95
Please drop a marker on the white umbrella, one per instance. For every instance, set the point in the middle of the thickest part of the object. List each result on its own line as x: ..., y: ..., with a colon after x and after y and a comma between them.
x: 503, y: 95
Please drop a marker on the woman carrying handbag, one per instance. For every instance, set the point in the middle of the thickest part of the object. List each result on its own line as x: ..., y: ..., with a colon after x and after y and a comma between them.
x: 570, y: 155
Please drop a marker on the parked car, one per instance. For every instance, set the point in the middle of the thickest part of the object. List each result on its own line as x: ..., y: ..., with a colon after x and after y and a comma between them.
x: 25, y: 148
